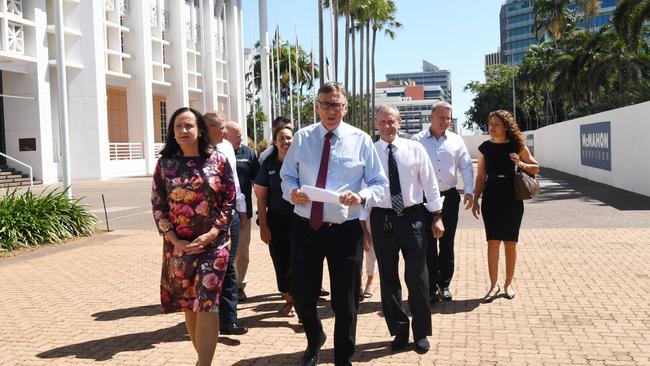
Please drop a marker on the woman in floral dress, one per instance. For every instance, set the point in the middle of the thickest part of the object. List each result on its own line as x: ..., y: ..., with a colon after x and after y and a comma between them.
x: 193, y: 195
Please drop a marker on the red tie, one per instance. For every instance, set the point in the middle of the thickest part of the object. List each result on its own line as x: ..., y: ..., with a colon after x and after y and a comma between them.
x: 316, y: 216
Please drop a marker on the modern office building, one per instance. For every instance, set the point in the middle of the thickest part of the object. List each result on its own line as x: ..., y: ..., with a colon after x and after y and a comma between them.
x: 410, y: 101
x: 517, y: 24
x: 431, y: 76
x: 493, y: 58
x: 129, y: 65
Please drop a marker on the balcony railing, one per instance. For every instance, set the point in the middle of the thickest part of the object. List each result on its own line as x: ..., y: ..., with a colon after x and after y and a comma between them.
x: 157, y: 147
x: 15, y: 7
x: 125, y: 150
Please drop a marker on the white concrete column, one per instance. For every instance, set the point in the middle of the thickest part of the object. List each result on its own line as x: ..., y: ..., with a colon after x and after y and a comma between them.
x: 177, y: 57
x: 209, y: 28
x: 139, y: 93
x: 241, y: 97
x: 234, y: 55
x: 265, y: 68
x: 87, y: 115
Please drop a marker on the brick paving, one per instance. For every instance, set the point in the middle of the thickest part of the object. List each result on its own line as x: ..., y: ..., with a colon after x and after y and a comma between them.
x: 583, y: 298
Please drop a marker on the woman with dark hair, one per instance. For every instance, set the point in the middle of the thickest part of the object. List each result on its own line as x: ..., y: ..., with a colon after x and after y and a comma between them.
x: 498, y: 159
x: 276, y: 214
x: 193, y: 195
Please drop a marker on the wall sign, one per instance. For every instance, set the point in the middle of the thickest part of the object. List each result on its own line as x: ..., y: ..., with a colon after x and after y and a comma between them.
x: 596, y: 145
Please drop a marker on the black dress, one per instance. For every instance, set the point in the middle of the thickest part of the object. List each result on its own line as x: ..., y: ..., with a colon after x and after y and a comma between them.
x: 501, y: 212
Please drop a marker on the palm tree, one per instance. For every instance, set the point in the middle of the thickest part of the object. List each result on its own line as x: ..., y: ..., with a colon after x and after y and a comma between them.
x: 590, y: 8
x: 553, y: 17
x: 382, y: 18
x: 301, y: 78
x: 629, y: 18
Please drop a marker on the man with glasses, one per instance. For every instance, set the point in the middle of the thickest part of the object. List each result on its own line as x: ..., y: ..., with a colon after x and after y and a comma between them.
x: 338, y: 157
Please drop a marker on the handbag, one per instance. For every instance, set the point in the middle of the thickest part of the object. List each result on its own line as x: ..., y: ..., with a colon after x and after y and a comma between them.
x: 526, y: 186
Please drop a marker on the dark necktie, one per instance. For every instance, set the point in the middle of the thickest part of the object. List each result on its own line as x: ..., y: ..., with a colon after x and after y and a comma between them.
x: 316, y: 215
x: 393, y: 179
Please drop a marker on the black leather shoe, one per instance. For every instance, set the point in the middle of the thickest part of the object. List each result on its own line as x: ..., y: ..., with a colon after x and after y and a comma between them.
x: 399, y: 343
x: 444, y: 293
x: 234, y: 329
x: 241, y: 295
x: 422, y: 345
x: 323, y: 292
x: 311, y: 356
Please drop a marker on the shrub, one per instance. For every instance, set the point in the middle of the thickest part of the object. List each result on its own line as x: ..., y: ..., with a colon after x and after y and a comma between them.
x: 28, y: 219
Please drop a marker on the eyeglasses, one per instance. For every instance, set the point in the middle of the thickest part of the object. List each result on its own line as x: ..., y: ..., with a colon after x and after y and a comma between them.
x: 331, y: 106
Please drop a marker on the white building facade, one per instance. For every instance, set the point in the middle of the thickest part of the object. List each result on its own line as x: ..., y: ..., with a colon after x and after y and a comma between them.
x: 129, y: 65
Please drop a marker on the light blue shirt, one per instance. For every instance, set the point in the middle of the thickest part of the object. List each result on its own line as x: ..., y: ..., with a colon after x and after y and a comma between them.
x: 353, y: 160
x: 448, y: 155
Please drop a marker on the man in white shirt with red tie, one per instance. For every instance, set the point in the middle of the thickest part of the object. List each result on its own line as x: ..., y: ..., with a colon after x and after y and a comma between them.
x: 397, y: 223
x: 448, y: 155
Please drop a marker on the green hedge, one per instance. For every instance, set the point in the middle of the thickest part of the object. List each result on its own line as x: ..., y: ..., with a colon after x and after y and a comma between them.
x: 28, y: 219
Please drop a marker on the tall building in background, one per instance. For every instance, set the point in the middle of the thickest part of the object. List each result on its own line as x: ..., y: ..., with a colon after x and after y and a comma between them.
x: 129, y: 65
x: 436, y: 82
x: 517, y: 25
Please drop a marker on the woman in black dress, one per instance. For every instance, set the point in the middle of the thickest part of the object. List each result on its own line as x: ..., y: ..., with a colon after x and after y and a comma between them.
x: 275, y: 213
x: 497, y: 160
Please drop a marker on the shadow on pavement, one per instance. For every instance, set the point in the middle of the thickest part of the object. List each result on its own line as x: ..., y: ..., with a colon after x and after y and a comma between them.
x: 567, y: 186
x: 104, y: 349
x: 364, y: 353
x: 116, y: 314
x: 454, y: 307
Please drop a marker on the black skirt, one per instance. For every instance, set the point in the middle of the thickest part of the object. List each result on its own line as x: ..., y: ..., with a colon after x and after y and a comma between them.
x: 502, y: 213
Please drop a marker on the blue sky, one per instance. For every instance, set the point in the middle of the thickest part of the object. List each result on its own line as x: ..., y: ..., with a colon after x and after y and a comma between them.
x: 454, y: 35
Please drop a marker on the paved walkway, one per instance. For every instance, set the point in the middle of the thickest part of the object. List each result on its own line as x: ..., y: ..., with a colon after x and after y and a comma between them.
x: 583, y: 298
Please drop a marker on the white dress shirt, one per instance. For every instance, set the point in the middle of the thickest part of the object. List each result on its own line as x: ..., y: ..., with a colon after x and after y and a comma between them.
x: 416, y: 174
x: 448, y: 154
x: 225, y: 147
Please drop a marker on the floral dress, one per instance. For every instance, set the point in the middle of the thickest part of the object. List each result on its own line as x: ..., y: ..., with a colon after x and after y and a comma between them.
x: 190, y: 195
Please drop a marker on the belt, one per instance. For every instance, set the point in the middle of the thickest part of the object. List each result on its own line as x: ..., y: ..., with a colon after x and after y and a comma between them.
x: 448, y: 191
x: 501, y: 176
x: 390, y: 211
x: 324, y: 224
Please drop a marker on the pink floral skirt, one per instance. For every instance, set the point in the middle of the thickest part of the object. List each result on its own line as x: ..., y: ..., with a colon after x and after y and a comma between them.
x: 192, y: 282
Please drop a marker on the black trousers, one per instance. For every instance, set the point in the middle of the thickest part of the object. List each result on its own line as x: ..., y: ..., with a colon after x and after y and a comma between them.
x: 228, y: 300
x: 342, y: 246
x: 408, y: 235
x: 440, y: 252
x: 280, y: 247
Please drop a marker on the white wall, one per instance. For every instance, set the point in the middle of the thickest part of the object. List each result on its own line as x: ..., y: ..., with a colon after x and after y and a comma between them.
x: 473, y: 141
x: 558, y: 146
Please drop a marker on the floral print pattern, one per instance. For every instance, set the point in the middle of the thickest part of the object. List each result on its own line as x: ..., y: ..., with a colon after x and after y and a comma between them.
x: 190, y: 195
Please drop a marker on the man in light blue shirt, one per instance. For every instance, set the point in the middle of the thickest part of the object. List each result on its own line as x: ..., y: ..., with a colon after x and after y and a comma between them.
x: 338, y: 157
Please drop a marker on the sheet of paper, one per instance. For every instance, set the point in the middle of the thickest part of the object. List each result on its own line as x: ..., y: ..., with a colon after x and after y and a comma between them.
x: 320, y: 194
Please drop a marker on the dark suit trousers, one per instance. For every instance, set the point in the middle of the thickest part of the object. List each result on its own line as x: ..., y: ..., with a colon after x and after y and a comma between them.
x: 408, y: 236
x: 228, y: 300
x: 342, y: 246
x: 440, y: 252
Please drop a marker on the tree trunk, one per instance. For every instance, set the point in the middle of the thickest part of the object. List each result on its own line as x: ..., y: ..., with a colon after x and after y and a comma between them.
x: 335, y: 10
x: 362, y: 118
x: 354, y: 72
x: 374, y: 44
x: 321, y: 59
x: 368, y: 96
x: 347, y: 50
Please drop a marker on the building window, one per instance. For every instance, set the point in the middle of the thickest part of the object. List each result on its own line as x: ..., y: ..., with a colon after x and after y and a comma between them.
x: 163, y: 120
